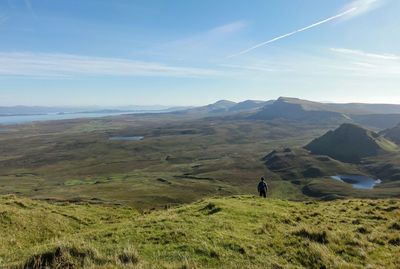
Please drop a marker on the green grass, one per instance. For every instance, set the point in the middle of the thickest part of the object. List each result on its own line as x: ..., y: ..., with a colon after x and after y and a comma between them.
x: 387, y: 145
x: 231, y: 232
x: 392, y: 134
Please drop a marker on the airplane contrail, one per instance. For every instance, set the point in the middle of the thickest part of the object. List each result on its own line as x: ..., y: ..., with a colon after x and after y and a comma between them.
x: 294, y: 32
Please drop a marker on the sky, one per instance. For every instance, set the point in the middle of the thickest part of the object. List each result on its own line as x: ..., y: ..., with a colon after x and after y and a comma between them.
x: 180, y: 52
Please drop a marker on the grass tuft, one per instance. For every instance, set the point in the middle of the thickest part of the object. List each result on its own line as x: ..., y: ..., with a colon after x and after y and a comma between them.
x: 362, y: 230
x: 395, y: 226
x: 316, y: 236
x: 63, y: 256
x: 395, y: 241
x: 187, y: 265
x: 129, y: 256
x: 211, y: 209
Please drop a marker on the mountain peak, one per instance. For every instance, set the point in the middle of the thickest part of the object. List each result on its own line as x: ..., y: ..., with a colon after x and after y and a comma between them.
x: 287, y: 99
x: 350, y: 127
x: 350, y: 143
x: 224, y: 102
x: 297, y: 109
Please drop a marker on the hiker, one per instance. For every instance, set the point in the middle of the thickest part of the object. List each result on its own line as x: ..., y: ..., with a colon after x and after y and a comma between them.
x: 262, y: 188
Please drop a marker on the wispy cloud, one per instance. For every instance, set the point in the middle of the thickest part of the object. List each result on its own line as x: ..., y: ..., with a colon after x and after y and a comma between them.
x: 366, y: 54
x: 207, y: 39
x: 356, y: 8
x: 256, y: 67
x: 294, y: 32
x: 229, y: 28
x: 358, y: 63
x: 66, y: 65
x: 335, y: 63
x: 198, y: 45
x: 362, y: 7
x: 368, y: 63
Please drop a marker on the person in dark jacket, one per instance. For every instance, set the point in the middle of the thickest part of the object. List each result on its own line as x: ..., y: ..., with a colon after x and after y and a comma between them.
x: 262, y: 188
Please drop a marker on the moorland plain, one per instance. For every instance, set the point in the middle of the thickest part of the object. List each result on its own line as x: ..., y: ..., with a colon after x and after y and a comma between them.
x: 183, y: 157
x: 179, y: 160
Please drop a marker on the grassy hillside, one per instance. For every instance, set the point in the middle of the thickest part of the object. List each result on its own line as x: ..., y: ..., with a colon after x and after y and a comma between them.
x: 350, y: 143
x: 298, y: 163
x: 385, y: 167
x: 233, y: 232
x: 393, y: 134
x: 377, y: 121
x: 312, y: 174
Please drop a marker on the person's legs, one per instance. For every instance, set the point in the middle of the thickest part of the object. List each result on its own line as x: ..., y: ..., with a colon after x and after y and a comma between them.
x: 263, y: 194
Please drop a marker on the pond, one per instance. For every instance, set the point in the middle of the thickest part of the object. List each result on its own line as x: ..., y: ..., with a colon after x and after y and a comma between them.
x: 126, y: 138
x: 358, y: 181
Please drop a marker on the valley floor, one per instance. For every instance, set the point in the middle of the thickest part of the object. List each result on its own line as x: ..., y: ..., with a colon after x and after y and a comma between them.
x: 180, y: 160
x: 231, y: 232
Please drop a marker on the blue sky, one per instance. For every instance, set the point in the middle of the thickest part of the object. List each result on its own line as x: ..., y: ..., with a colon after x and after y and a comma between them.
x: 180, y: 52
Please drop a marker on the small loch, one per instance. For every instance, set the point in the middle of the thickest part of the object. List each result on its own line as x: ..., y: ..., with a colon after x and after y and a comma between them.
x: 358, y: 181
x: 126, y: 138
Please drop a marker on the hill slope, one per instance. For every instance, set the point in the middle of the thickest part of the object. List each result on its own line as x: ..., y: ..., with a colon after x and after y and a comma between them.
x: 377, y: 121
x: 360, y: 109
x: 217, y: 107
x: 292, y: 164
x: 376, y: 116
x: 235, y: 232
x: 348, y: 108
x: 296, y: 109
x: 227, y: 107
x: 249, y: 105
x: 393, y: 134
x: 350, y: 143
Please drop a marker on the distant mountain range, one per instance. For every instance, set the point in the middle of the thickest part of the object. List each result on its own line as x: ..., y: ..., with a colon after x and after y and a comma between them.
x: 39, y: 110
x: 305, y: 105
x: 376, y: 116
x: 228, y: 107
x: 349, y: 108
x: 296, y: 109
